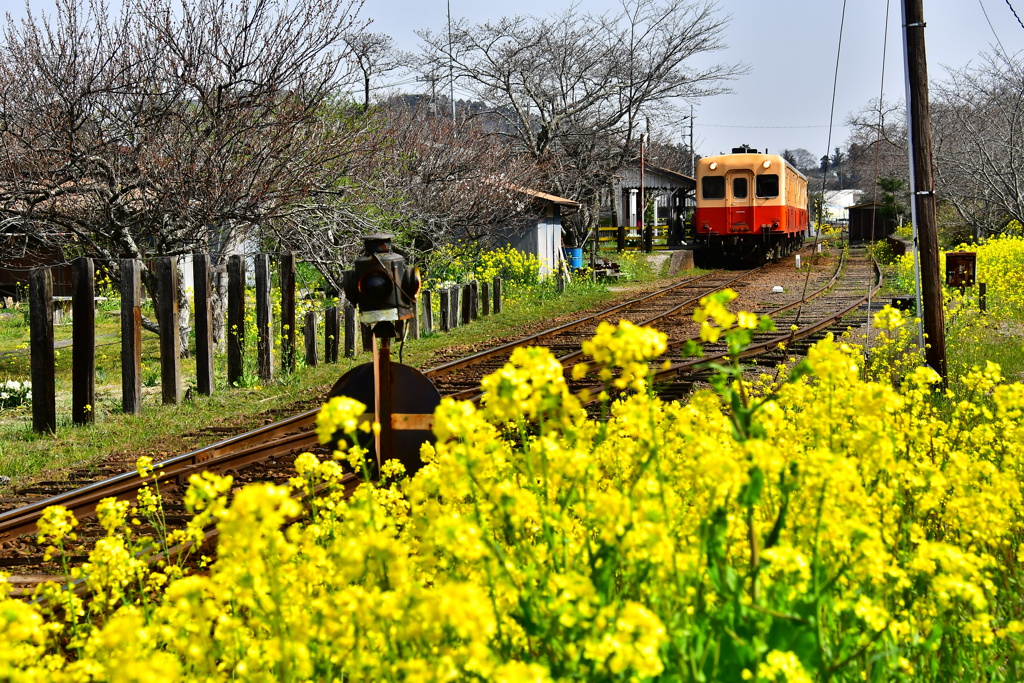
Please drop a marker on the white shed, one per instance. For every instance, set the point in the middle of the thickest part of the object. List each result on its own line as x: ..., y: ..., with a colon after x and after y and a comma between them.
x: 539, y: 234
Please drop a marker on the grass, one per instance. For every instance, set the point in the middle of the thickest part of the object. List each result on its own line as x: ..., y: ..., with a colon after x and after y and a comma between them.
x: 972, y: 338
x: 163, y: 431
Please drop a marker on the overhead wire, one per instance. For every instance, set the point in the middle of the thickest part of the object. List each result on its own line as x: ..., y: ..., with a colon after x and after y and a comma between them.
x: 1016, y: 16
x: 720, y: 125
x: 824, y: 175
x: 878, y: 154
x: 993, y: 28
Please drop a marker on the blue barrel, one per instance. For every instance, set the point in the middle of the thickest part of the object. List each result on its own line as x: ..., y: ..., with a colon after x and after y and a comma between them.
x: 574, y: 255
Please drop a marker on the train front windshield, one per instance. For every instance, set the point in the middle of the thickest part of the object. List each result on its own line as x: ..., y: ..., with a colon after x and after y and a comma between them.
x: 767, y: 185
x: 712, y: 187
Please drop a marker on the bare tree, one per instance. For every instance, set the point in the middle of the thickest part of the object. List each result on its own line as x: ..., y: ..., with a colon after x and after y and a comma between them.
x: 170, y: 128
x: 429, y: 181
x: 979, y: 153
x: 574, y: 89
x: 877, y: 148
x: 374, y: 55
x: 802, y: 159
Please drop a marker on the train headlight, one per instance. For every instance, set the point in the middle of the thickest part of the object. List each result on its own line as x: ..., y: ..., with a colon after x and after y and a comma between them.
x: 713, y: 165
x: 767, y: 163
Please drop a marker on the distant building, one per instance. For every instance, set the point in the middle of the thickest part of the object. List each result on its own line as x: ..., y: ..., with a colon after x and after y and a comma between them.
x: 670, y: 192
x: 539, y: 233
x: 19, y: 255
x: 836, y: 204
x: 868, y: 224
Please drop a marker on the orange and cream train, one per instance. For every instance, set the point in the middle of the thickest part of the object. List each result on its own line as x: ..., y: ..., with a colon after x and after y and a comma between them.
x: 750, y: 207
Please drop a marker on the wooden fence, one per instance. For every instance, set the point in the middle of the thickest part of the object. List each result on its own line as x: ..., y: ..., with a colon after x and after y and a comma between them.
x: 459, y: 304
x: 625, y: 238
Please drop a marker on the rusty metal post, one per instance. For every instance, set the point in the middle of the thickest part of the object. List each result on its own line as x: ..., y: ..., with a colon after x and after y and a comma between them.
x: 382, y: 395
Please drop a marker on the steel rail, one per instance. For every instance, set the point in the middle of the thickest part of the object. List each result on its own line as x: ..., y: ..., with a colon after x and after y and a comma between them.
x: 253, y: 446
x: 676, y: 370
x: 265, y: 442
x: 473, y: 359
x: 566, y: 359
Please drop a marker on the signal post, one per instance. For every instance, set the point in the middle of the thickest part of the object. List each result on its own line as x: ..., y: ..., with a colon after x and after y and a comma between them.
x: 384, y: 289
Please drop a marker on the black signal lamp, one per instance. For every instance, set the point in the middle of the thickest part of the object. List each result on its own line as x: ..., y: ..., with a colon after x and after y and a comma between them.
x: 382, y: 287
x: 375, y: 286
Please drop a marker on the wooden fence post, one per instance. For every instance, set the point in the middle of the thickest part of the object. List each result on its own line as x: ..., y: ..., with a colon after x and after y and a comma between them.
x: 83, y: 339
x: 264, y: 320
x: 44, y: 397
x: 621, y: 234
x: 331, y: 337
x: 497, y: 295
x: 288, y: 312
x: 309, y: 339
x: 350, y: 330
x: 454, y: 299
x: 414, y: 322
x: 204, y: 324
x: 366, y: 332
x: 467, y: 303
x: 485, y: 298
x: 428, y: 313
x: 446, y: 310
x: 474, y: 300
x: 167, y: 318
x: 236, y: 318
x: 131, y: 336
x: 560, y: 280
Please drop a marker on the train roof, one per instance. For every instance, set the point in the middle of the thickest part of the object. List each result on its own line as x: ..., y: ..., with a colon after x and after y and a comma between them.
x: 749, y: 158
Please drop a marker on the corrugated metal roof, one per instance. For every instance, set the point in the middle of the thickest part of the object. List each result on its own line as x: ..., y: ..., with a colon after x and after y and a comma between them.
x: 562, y: 201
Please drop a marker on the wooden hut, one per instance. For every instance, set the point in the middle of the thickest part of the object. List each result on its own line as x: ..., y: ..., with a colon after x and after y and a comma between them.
x: 869, y: 224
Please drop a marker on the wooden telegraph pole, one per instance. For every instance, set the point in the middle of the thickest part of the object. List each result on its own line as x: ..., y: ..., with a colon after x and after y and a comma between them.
x: 922, y: 185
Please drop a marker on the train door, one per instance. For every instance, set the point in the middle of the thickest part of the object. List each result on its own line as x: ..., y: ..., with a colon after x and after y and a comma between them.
x: 740, y: 201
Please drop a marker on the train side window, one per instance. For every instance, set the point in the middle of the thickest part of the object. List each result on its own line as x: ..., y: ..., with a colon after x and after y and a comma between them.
x: 713, y: 187
x: 739, y: 188
x: 767, y: 185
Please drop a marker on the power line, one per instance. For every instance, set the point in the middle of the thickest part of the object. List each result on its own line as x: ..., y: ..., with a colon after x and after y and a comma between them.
x: 993, y: 28
x: 1014, y: 14
x: 713, y: 125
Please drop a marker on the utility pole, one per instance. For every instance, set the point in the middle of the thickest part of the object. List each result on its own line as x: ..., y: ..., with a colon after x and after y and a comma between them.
x: 451, y: 67
x: 922, y: 186
x: 644, y: 243
x: 693, y: 154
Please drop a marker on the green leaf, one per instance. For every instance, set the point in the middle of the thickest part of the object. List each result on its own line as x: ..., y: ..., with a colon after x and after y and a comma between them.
x: 751, y: 491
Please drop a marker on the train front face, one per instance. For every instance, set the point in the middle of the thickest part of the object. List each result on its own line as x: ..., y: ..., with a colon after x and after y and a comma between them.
x: 745, y: 207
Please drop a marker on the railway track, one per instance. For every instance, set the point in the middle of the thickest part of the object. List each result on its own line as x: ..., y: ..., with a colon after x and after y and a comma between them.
x: 268, y: 453
x: 835, y: 307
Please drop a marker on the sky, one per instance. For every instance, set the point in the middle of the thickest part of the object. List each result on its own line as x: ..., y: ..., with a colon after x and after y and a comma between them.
x: 790, y: 46
x: 785, y: 101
